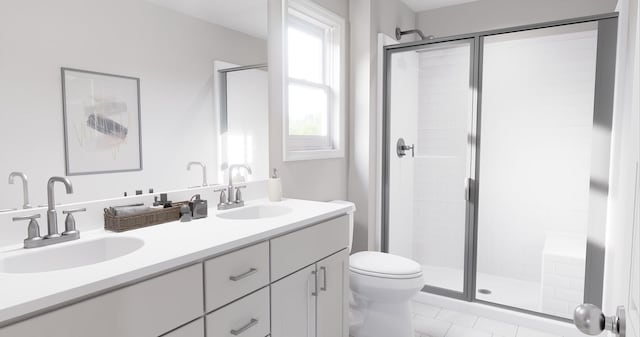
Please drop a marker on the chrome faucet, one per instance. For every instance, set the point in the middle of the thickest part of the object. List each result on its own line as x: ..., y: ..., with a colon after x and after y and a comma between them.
x: 52, y: 216
x: 232, y: 199
x: 204, y: 171
x: 34, y: 240
x: 25, y: 187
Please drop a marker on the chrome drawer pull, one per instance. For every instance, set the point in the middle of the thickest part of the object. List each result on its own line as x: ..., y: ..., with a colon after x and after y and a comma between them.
x: 315, y: 283
x: 244, y: 275
x: 324, y: 278
x: 245, y: 328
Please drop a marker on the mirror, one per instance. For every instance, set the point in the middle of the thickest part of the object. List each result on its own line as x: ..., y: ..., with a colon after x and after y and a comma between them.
x: 79, y: 79
x: 244, y: 118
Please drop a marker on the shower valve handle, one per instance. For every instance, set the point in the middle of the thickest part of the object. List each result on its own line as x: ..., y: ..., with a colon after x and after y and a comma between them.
x: 402, y: 148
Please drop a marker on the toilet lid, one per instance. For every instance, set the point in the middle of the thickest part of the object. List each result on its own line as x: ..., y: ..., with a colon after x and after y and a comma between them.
x: 383, y: 264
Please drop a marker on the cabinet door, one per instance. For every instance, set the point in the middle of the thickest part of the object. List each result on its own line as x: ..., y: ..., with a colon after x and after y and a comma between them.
x: 193, y: 329
x: 333, y: 285
x: 246, y: 317
x: 293, y: 305
x: 309, y: 244
x: 146, y: 309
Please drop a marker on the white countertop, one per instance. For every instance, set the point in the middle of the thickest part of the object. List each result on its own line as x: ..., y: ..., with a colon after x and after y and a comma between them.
x: 166, y: 247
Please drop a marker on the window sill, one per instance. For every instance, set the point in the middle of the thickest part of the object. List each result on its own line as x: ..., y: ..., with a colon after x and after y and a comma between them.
x: 312, y: 155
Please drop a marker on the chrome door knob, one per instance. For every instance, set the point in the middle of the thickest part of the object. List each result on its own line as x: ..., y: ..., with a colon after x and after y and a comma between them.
x: 589, y: 319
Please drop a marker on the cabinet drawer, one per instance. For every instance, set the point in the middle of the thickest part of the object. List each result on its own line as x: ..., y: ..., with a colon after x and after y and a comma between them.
x: 299, y: 249
x: 150, y: 308
x: 248, y: 317
x: 193, y: 329
x: 236, y: 274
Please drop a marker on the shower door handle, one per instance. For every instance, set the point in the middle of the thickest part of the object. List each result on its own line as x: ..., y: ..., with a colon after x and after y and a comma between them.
x: 468, y: 189
x: 402, y: 148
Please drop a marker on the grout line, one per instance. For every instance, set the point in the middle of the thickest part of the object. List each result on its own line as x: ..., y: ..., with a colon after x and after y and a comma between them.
x: 449, y: 329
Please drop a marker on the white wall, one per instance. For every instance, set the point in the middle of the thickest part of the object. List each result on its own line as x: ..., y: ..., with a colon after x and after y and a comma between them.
x: 492, y: 14
x: 171, y: 53
x: 624, y: 184
x: 310, y: 179
x: 368, y: 18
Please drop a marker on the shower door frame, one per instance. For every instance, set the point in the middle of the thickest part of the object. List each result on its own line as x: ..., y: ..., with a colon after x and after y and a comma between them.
x: 603, y: 115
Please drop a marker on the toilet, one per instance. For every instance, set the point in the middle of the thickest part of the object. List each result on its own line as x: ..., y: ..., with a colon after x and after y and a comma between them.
x: 382, y: 286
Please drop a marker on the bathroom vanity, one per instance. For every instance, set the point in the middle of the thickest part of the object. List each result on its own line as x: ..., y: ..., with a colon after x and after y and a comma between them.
x: 276, y: 269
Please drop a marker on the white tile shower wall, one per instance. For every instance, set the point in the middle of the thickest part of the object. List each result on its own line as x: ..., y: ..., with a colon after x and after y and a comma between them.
x: 563, y: 267
x: 536, y: 144
x: 442, y: 163
x: 14, y: 232
x: 402, y: 181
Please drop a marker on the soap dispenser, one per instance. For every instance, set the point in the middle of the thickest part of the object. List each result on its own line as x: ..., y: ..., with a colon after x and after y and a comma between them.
x: 198, y: 207
x: 275, y: 187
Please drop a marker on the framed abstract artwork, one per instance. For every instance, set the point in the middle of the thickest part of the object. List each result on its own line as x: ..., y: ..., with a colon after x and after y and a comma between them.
x: 102, y: 129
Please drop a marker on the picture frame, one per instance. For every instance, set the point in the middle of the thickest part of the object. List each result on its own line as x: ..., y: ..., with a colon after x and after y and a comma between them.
x: 102, y: 122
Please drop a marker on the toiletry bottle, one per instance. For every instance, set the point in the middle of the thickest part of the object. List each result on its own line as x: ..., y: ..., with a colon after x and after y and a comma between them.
x: 198, y: 207
x: 275, y: 187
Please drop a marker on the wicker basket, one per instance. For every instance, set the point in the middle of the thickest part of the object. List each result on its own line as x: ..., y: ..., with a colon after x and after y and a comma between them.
x: 150, y: 218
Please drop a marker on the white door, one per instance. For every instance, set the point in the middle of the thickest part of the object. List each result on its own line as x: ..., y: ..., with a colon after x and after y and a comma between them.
x: 633, y: 304
x: 332, y: 296
x: 293, y: 305
x: 588, y: 318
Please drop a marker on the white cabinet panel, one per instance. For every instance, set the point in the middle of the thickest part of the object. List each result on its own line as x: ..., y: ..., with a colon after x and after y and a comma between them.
x: 236, y: 274
x: 333, y: 283
x: 193, y: 329
x: 293, y: 307
x: 149, y: 308
x: 306, y: 246
x: 248, y: 317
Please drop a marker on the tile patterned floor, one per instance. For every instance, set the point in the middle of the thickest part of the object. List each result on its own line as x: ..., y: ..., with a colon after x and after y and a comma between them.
x: 432, y: 321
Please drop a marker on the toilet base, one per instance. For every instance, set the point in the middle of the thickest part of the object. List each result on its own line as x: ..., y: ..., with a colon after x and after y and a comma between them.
x: 381, y: 319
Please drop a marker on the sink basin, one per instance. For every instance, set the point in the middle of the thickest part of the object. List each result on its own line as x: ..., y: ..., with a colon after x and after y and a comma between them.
x: 69, y: 255
x: 256, y: 212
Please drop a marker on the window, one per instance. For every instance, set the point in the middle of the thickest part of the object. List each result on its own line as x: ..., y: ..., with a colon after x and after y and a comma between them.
x: 314, y: 82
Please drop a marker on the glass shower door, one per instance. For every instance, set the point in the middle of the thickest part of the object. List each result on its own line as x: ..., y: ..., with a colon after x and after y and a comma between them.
x: 430, y: 101
x: 538, y: 188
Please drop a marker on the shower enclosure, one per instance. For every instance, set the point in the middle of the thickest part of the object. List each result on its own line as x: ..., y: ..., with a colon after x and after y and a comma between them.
x: 496, y: 162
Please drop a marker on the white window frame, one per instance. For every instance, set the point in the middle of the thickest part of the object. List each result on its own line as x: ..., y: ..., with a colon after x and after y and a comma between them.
x: 297, y: 147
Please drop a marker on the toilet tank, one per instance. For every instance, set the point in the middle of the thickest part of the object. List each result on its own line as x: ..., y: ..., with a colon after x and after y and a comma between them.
x: 351, y: 219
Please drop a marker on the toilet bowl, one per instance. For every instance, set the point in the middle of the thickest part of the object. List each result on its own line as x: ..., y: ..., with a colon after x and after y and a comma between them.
x: 382, y: 286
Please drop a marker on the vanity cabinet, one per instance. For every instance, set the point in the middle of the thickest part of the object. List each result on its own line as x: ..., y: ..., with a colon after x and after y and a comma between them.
x: 149, y: 308
x: 193, y: 329
x: 312, y: 301
x: 333, y: 296
x: 236, y: 274
x: 247, y: 317
x: 293, y: 285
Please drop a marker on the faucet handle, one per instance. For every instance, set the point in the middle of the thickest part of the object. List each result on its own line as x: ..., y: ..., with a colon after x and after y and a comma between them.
x: 75, y: 210
x: 70, y: 222
x: 30, y: 217
x: 239, y: 194
x: 33, y: 230
x: 223, y: 195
